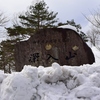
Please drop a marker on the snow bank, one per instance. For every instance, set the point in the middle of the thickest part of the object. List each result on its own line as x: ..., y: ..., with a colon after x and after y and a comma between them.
x: 96, y: 54
x: 52, y: 83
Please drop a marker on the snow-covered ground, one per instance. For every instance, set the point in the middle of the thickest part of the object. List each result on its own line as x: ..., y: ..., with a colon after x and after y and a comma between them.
x: 53, y: 83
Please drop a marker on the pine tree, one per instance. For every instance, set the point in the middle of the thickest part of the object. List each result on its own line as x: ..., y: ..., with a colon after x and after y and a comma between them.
x: 37, y: 17
x: 7, y: 56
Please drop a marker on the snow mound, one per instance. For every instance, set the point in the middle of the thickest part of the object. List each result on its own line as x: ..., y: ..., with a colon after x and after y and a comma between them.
x: 52, y: 83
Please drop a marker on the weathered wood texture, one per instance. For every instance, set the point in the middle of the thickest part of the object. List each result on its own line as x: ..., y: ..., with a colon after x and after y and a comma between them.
x: 64, y: 46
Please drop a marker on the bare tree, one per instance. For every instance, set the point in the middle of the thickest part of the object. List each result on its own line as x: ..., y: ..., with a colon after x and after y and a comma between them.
x: 94, y: 35
x: 3, y: 19
x: 94, y: 32
x: 15, y: 20
x: 94, y: 18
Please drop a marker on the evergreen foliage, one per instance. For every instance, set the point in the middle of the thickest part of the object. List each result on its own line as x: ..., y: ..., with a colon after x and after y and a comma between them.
x: 37, y: 17
x: 84, y: 36
x: 7, y: 56
x: 72, y: 22
x: 78, y: 28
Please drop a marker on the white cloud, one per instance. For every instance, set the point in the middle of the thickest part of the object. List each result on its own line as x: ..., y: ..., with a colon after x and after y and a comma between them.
x: 67, y: 9
x: 13, y: 6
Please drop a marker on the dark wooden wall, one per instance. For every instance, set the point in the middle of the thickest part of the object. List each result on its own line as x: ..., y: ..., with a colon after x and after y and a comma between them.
x: 64, y: 46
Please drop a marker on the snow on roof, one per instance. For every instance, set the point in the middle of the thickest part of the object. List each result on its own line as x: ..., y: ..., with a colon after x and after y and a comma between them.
x: 69, y: 27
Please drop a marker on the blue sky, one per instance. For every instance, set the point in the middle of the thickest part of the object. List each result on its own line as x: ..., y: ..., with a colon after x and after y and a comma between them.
x: 67, y: 9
